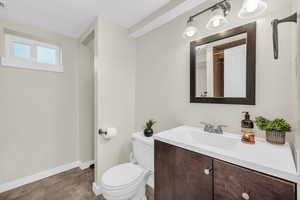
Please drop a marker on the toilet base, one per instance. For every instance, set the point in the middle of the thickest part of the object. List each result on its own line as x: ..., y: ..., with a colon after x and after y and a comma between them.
x: 141, y: 194
x: 143, y: 198
x: 136, y: 190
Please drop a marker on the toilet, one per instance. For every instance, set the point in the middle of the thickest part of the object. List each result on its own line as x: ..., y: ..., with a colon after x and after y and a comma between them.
x: 128, y: 181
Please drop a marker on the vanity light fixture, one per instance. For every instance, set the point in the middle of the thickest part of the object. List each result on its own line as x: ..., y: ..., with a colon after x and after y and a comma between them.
x: 252, y: 8
x: 190, y: 30
x: 2, y: 3
x: 219, y: 12
x: 217, y: 19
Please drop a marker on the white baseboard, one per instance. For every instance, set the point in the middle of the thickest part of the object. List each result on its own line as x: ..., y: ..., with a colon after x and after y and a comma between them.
x: 36, y: 177
x: 87, y: 164
x: 150, y: 181
x: 97, y: 189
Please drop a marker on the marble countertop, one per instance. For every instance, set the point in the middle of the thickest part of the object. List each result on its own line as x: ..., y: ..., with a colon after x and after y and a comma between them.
x: 275, y: 160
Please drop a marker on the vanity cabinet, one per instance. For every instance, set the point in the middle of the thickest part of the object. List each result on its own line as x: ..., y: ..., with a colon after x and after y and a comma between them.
x: 182, y: 174
x: 233, y: 182
x: 179, y: 174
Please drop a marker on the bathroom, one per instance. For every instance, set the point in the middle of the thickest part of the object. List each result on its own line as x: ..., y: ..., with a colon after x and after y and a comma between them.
x: 119, y: 75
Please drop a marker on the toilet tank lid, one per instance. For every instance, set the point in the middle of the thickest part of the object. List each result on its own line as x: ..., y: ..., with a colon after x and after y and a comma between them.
x: 140, y: 137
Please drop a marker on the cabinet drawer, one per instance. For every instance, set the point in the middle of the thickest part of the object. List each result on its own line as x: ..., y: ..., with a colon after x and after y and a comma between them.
x: 236, y: 183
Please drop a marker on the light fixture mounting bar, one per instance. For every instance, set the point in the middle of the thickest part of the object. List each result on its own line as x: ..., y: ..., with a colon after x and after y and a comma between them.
x: 2, y: 3
x: 225, y: 5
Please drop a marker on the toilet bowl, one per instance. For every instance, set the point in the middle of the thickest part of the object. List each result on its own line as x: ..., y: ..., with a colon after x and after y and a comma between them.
x: 127, y: 181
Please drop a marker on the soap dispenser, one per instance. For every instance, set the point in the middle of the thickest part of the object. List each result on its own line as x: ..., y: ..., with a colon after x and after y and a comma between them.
x: 248, y: 130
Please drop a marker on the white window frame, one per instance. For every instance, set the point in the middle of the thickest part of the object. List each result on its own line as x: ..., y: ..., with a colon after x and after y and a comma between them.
x: 11, y: 61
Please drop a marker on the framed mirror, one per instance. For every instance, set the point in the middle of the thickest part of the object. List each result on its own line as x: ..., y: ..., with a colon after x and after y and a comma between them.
x: 222, y: 67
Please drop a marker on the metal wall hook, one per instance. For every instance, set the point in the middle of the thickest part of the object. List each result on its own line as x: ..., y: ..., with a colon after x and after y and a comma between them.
x: 275, y: 23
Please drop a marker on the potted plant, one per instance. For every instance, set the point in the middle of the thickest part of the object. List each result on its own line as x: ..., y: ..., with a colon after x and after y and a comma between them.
x: 148, y: 131
x: 275, y: 129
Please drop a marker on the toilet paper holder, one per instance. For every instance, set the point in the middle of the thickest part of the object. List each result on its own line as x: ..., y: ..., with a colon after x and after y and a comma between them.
x: 102, y: 132
x: 108, y: 133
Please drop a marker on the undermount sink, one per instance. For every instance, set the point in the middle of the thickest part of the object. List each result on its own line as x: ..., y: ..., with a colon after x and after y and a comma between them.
x: 276, y: 160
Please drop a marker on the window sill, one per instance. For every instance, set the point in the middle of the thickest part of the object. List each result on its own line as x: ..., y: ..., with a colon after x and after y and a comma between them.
x: 10, y: 62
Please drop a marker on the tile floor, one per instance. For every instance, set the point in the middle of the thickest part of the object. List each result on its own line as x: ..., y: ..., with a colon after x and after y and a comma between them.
x: 75, y: 184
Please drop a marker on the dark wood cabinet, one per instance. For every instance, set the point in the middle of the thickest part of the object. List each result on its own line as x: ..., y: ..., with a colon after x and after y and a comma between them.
x: 180, y: 174
x: 185, y: 175
x: 233, y: 182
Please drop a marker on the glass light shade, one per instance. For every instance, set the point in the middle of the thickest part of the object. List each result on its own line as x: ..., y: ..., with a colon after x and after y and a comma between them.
x: 190, y: 30
x: 252, y: 8
x: 217, y: 20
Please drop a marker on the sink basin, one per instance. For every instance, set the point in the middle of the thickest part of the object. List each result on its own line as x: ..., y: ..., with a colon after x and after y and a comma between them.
x: 196, y: 136
x: 276, y: 160
x: 213, y: 140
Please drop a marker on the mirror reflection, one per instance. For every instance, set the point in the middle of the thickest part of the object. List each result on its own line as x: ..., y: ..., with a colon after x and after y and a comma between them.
x: 221, y: 68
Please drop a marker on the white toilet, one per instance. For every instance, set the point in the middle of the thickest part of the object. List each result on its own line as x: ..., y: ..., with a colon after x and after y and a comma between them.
x: 127, y: 181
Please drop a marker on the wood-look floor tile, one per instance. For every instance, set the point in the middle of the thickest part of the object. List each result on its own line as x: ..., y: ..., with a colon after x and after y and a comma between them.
x: 75, y: 184
x: 149, y: 193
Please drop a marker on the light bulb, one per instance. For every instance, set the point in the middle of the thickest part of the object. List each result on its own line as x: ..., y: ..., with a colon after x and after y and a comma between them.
x: 190, y: 33
x: 217, y: 19
x: 251, y: 6
x: 190, y: 30
x: 216, y: 23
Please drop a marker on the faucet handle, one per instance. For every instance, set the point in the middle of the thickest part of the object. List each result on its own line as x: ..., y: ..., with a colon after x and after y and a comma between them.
x: 219, y: 129
x: 207, y: 127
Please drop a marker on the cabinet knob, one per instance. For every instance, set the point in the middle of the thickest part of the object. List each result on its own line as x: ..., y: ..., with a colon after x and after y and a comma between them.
x: 245, y: 196
x: 207, y: 171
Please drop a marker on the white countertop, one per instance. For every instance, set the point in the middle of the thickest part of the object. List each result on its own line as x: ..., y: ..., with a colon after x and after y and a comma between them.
x: 275, y: 160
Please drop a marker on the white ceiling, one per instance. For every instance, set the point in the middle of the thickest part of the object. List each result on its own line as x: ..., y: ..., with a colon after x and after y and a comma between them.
x: 73, y: 17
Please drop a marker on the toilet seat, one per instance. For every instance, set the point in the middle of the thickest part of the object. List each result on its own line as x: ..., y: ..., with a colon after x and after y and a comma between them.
x: 123, y: 181
x: 122, y: 176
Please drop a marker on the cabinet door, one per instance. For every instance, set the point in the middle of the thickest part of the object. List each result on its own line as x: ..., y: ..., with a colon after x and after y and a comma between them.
x: 180, y: 174
x: 235, y: 183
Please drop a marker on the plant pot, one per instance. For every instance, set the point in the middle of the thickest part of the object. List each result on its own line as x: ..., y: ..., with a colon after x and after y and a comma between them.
x: 275, y: 137
x: 148, y: 132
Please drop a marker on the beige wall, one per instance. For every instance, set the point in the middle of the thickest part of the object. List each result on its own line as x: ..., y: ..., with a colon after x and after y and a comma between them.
x: 86, y: 101
x: 115, y: 60
x: 162, y: 77
x: 37, y: 112
x: 296, y: 70
x: 296, y: 76
x: 298, y: 79
x: 297, y: 137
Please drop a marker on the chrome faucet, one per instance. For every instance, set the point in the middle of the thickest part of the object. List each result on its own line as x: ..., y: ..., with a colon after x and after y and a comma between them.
x: 213, y: 129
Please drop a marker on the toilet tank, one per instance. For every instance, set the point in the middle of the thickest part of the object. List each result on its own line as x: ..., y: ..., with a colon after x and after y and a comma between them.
x: 143, y: 150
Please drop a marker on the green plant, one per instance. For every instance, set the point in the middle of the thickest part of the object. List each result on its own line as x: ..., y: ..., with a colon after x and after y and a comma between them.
x: 150, y: 123
x: 272, y: 125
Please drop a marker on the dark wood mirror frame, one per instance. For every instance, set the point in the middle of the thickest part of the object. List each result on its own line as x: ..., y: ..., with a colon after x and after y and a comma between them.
x: 250, y: 30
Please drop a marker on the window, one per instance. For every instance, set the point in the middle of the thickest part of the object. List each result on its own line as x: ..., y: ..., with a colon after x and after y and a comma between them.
x: 22, y: 50
x: 46, y: 55
x: 26, y: 53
